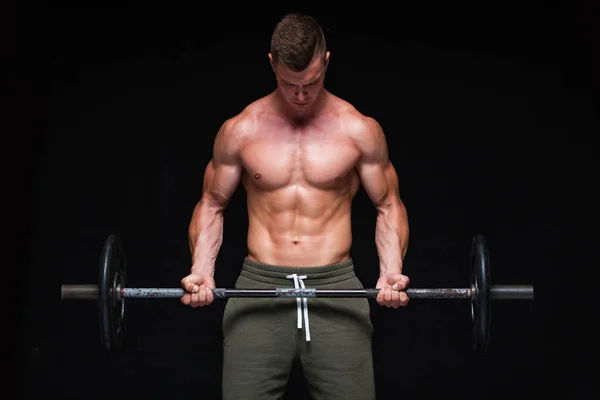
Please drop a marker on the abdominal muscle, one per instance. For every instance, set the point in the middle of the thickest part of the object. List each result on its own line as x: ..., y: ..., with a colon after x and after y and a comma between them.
x: 299, y: 226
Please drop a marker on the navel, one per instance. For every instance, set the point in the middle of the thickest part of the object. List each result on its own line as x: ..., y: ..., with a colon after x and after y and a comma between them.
x: 338, y: 178
x: 257, y: 175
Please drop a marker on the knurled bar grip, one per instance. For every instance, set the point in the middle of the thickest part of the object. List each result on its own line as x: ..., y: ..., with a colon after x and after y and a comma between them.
x: 497, y: 292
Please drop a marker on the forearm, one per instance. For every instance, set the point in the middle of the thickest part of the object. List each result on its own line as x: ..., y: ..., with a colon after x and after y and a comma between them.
x: 391, y: 236
x: 206, y: 235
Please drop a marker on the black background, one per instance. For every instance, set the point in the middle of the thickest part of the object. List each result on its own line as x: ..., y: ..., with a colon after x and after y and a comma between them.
x: 490, y: 113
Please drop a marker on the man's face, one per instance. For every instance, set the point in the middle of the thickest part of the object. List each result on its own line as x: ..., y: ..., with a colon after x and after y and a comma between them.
x: 301, y: 89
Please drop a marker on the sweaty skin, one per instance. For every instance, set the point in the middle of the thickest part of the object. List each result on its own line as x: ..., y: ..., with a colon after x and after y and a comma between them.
x: 300, y: 173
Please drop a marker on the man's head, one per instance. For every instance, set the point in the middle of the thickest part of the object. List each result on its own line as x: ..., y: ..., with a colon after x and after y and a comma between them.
x: 299, y: 58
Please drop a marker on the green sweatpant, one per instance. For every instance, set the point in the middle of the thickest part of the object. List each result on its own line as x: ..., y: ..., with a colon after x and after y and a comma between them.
x: 262, y: 338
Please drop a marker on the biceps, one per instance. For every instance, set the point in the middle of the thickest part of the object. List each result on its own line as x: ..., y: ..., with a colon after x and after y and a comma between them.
x: 221, y: 181
x: 380, y: 181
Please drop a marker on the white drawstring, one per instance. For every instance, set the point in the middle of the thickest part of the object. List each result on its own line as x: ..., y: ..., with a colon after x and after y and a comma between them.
x: 299, y: 283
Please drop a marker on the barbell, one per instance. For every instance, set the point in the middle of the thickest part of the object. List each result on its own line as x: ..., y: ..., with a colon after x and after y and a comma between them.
x: 111, y: 292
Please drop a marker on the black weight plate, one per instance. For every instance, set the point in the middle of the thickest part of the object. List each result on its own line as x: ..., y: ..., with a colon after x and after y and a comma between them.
x: 119, y: 301
x: 481, y: 298
x: 111, y: 307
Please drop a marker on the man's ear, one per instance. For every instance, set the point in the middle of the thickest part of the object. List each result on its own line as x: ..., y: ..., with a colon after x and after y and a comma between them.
x: 271, y: 61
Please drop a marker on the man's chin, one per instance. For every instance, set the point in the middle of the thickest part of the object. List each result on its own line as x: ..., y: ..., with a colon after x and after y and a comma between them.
x: 301, y: 108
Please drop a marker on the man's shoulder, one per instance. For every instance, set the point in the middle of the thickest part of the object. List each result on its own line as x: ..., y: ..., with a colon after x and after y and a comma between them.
x: 364, y: 130
x: 243, y: 123
x: 355, y: 122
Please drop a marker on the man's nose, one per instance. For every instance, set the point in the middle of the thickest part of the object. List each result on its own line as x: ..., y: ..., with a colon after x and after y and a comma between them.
x: 300, y: 94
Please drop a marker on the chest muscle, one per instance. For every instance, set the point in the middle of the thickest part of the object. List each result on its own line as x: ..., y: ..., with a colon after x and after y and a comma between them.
x: 272, y: 164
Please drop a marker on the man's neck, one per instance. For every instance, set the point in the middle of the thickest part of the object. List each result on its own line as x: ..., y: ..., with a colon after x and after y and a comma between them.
x: 317, y: 107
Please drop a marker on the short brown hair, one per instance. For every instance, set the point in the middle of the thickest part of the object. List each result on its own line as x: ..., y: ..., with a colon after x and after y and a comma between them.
x: 297, y: 39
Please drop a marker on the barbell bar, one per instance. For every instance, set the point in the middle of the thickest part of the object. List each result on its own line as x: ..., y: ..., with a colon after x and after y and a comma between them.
x: 111, y: 292
x: 504, y: 292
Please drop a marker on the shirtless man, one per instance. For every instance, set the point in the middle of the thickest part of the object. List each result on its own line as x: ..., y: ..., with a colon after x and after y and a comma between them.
x: 301, y: 154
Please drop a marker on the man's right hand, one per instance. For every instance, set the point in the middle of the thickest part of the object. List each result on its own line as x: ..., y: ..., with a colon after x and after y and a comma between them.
x: 197, y: 290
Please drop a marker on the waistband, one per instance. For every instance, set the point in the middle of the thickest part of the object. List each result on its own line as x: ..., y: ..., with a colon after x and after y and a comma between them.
x: 317, y: 275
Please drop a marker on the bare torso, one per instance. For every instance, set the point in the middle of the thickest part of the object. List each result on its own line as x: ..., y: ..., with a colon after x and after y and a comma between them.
x: 300, y: 179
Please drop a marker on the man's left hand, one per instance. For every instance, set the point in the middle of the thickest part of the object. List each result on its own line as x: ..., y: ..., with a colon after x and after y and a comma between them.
x: 392, y: 290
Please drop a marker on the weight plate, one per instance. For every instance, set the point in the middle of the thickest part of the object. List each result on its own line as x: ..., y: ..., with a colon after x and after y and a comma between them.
x: 111, y: 305
x: 481, y: 297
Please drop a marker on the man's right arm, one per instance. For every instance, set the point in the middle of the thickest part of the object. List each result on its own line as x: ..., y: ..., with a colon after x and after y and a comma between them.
x: 221, y: 178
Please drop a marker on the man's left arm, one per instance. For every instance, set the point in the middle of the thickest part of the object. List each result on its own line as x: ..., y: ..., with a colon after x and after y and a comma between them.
x: 380, y: 181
